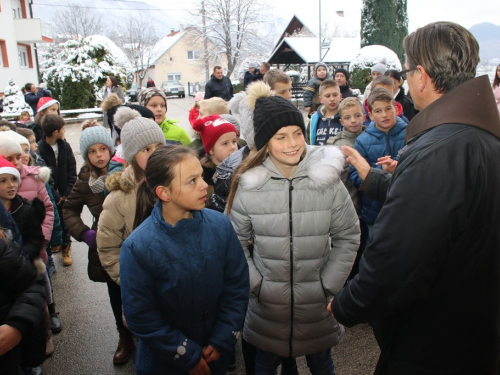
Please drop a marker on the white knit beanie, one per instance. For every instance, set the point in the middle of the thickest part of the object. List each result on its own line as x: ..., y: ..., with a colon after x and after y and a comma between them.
x: 8, y: 146
x: 380, y: 67
x: 137, y: 132
x: 17, y: 137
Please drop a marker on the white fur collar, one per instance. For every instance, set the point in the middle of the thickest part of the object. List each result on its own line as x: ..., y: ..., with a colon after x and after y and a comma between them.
x: 322, y: 165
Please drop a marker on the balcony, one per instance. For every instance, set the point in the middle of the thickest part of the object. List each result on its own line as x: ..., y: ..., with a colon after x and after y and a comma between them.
x: 33, y: 30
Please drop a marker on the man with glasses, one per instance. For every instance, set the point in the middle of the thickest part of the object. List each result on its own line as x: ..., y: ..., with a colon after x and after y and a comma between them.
x: 430, y: 278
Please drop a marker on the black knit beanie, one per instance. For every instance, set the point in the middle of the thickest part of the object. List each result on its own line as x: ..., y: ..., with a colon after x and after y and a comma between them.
x: 270, y: 115
x: 344, y: 72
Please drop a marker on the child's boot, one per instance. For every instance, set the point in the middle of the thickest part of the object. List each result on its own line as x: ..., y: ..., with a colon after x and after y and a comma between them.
x: 66, y: 256
x: 125, y: 347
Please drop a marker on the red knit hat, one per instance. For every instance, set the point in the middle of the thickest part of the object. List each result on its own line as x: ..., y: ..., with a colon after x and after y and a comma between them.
x: 45, y: 103
x: 211, y: 128
x: 7, y: 167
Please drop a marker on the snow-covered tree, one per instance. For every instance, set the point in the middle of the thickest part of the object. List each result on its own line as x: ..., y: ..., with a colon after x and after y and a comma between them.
x: 234, y: 26
x: 360, y: 66
x: 80, y: 68
x: 384, y: 22
x: 13, y: 100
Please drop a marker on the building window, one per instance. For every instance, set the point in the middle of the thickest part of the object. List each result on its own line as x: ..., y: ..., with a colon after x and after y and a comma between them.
x: 173, y: 76
x: 22, y: 52
x: 16, y: 9
x: 4, y: 61
x: 193, y: 55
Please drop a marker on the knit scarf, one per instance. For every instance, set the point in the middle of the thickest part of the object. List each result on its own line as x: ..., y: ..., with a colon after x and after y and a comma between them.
x: 97, y: 184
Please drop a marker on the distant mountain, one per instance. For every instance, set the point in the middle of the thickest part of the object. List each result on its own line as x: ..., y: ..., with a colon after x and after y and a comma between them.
x: 488, y: 36
x: 112, y: 13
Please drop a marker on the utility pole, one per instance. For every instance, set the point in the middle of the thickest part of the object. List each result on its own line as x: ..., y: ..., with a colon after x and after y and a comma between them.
x: 205, y: 41
x: 320, y: 46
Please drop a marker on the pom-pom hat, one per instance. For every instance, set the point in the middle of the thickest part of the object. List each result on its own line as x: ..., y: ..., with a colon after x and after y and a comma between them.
x: 6, y: 167
x: 211, y: 128
x: 136, y: 132
x: 45, y: 103
x: 380, y: 67
x: 94, y: 135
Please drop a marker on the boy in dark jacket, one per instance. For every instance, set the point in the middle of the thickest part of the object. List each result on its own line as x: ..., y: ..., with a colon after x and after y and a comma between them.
x: 59, y: 157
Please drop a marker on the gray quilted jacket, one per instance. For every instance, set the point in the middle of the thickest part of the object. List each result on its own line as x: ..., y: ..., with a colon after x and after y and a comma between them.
x: 306, y: 237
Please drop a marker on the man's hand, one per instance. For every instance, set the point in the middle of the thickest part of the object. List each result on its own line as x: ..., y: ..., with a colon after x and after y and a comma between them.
x: 201, y: 368
x: 354, y: 158
x: 9, y: 338
x: 387, y: 163
x: 210, y: 354
x: 329, y: 307
x: 62, y: 200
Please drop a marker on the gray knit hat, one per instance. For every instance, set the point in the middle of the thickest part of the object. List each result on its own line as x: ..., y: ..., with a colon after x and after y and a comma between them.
x: 380, y: 67
x: 136, y: 132
x: 145, y: 95
x: 232, y: 120
x: 318, y: 65
x: 94, y: 135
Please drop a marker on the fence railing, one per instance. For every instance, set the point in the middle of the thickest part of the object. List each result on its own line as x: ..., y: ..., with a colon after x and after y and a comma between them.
x: 68, y: 114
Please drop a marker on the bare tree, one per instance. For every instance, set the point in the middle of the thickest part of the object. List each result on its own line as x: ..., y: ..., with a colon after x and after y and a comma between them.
x: 78, y: 22
x: 233, y: 26
x: 138, y: 39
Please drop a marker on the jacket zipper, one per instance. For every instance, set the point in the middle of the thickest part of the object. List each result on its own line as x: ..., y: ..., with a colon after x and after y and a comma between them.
x: 388, y: 144
x: 290, y: 188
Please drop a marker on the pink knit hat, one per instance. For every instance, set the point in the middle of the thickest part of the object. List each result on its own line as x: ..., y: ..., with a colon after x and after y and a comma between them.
x: 198, y: 96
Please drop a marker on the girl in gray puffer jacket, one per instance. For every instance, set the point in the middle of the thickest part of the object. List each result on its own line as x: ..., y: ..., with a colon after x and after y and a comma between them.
x: 305, y: 237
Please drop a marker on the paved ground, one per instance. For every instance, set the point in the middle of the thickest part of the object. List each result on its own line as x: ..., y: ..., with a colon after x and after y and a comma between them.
x: 89, y: 338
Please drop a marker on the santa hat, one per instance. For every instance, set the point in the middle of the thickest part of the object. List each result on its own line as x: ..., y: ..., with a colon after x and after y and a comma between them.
x: 211, y: 128
x: 7, y: 167
x: 45, y: 103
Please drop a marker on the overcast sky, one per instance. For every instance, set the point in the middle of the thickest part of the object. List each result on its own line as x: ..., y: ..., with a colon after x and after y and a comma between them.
x: 420, y: 12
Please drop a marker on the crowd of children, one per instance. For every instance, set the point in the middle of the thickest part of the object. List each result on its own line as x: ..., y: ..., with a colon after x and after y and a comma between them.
x: 285, y: 239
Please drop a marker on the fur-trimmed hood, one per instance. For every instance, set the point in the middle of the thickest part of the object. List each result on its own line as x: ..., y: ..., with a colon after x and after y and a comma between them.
x: 322, y: 165
x: 123, y: 181
x: 40, y: 173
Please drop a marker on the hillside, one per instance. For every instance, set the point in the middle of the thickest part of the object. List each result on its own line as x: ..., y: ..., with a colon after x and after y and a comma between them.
x: 488, y: 36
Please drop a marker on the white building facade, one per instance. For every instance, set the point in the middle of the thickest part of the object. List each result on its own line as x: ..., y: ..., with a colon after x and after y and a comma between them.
x: 18, y: 33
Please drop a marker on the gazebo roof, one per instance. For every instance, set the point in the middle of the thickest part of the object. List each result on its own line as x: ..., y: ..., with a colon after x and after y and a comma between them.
x: 306, y: 51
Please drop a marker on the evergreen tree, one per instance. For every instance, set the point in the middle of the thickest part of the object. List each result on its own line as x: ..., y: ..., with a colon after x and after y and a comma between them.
x: 13, y: 100
x: 385, y: 22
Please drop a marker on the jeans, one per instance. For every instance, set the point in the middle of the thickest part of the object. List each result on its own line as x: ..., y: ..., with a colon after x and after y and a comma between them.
x: 320, y: 363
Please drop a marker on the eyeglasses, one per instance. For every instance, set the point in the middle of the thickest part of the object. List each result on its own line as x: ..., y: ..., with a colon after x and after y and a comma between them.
x: 404, y: 73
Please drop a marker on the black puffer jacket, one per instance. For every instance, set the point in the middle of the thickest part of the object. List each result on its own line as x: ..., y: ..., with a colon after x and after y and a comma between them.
x: 29, y: 217
x: 431, y: 273
x: 22, y: 298
x: 222, y: 88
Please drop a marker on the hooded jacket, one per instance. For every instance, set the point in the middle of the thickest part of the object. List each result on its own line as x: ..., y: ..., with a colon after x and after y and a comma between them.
x: 183, y: 286
x: 436, y: 244
x: 374, y: 144
x: 222, y: 88
x: 174, y: 132
x: 306, y: 238
x: 311, y: 92
x: 81, y: 196
x: 319, y: 119
x: 116, y: 221
x: 33, y: 185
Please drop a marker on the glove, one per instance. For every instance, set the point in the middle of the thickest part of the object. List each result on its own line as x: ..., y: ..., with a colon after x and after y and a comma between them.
x: 89, y: 238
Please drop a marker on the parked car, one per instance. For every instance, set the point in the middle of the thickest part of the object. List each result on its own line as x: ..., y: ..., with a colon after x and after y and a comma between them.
x: 133, y: 92
x: 171, y: 88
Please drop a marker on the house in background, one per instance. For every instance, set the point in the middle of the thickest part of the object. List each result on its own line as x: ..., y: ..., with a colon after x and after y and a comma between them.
x: 179, y: 58
x: 18, y: 34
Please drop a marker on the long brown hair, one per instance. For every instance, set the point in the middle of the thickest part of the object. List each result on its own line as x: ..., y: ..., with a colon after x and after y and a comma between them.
x: 250, y: 162
x: 496, y: 80
x: 159, y: 172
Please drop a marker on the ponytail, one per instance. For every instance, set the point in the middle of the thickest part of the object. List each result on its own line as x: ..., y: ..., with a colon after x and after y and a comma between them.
x: 146, y: 200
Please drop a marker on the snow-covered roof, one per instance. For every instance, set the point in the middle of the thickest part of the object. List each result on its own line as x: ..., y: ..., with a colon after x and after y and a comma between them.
x: 163, y: 45
x: 342, y: 50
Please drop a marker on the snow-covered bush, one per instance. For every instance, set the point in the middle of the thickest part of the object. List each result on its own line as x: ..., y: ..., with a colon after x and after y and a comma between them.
x: 360, y: 67
x: 80, y: 68
x: 13, y: 100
